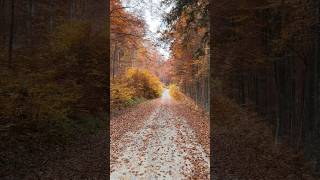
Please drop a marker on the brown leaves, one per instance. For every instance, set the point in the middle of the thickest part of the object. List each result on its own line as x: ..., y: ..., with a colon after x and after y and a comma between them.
x: 197, y: 119
x: 244, y: 147
x: 129, y: 119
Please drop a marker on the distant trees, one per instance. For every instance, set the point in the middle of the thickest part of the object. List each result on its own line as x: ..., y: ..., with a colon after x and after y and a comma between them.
x: 266, y: 57
x: 135, y: 63
x: 28, y: 23
x: 129, y: 44
x: 188, y: 31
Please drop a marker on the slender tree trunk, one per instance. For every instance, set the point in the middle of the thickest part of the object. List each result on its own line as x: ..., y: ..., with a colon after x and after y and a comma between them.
x: 279, y: 83
x: 118, y: 61
x: 301, y: 117
x: 242, y: 89
x: 316, y: 74
x: 51, y: 16
x: 114, y: 60
x: 71, y: 9
x: 30, y: 19
x: 11, y: 38
x: 3, y: 24
x: 278, y: 102
x: 131, y: 58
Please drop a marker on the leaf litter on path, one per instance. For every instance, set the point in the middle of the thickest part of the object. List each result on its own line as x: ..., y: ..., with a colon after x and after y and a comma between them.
x: 164, y: 147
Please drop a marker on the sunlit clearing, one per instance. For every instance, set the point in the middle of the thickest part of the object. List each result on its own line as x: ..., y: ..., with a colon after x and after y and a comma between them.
x: 165, y: 94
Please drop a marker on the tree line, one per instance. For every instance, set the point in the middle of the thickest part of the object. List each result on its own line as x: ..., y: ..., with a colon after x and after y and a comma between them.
x: 130, y: 46
x: 188, y: 36
x: 266, y: 57
x: 135, y: 63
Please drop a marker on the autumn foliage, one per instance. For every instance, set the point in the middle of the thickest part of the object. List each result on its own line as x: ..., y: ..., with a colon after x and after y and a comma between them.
x: 266, y: 57
x: 53, y: 80
x: 189, y: 39
x: 175, y: 92
x: 134, y: 60
x: 136, y: 84
x: 121, y: 93
x: 54, y: 93
x: 144, y: 83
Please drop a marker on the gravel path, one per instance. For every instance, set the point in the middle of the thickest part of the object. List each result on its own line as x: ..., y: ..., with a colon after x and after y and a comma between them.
x: 164, y: 148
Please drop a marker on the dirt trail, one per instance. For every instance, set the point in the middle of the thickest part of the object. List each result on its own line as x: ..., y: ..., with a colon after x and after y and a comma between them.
x: 164, y: 148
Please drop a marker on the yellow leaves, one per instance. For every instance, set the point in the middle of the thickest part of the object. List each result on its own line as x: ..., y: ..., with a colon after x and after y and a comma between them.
x: 120, y: 93
x: 146, y: 84
x: 37, y: 98
x: 137, y: 83
x: 52, y: 101
x: 175, y: 92
x: 70, y: 34
x: 189, y: 39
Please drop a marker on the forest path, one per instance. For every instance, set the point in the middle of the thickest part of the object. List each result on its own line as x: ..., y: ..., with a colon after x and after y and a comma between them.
x: 165, y: 147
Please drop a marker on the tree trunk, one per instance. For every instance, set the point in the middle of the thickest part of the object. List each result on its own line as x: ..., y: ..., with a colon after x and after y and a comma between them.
x: 51, y: 16
x: 242, y: 89
x: 11, y: 38
x: 3, y: 23
x: 316, y: 74
x: 114, y: 60
x: 30, y: 19
x: 71, y: 9
x: 277, y: 80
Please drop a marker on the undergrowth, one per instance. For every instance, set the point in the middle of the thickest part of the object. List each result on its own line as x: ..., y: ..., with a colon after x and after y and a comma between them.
x: 134, y: 87
x: 45, y: 105
x: 175, y: 92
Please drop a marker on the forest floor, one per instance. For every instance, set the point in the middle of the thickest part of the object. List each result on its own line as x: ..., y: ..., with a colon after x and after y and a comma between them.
x: 83, y: 159
x: 161, y: 139
x: 27, y: 156
x: 244, y: 147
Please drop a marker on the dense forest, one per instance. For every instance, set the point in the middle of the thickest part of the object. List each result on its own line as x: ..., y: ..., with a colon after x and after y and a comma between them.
x: 265, y: 57
x: 159, y: 126
x: 129, y: 45
x: 135, y: 63
x: 53, y: 82
x: 188, y: 36
x: 260, y: 82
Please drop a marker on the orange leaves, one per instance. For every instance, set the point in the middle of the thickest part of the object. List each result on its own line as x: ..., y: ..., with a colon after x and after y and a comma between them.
x: 189, y: 35
x: 125, y: 27
x: 128, y: 36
